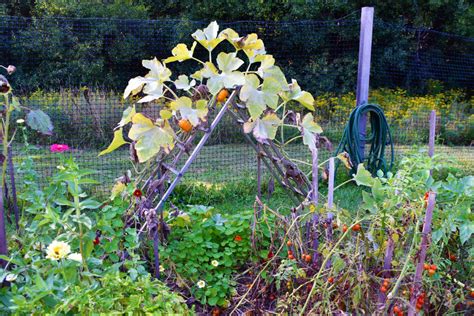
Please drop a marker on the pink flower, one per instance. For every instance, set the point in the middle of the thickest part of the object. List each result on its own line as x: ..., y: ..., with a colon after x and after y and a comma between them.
x: 58, y: 148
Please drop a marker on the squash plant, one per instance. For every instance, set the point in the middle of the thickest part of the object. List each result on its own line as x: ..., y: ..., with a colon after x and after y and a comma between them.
x: 246, y: 82
x: 263, y: 89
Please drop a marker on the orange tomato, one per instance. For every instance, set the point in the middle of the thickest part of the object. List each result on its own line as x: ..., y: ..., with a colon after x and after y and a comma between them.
x: 185, y: 125
x: 222, y: 95
x: 356, y: 227
x: 307, y: 258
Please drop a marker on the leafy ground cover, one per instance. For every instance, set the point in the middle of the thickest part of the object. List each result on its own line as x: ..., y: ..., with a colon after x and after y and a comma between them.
x: 218, y: 257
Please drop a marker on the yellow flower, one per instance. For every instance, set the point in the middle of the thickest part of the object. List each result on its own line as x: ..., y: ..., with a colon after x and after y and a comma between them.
x: 162, y: 269
x: 201, y: 284
x: 57, y: 250
x: 215, y: 263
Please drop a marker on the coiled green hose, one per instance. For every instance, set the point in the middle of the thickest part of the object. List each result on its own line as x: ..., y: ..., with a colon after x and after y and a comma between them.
x: 378, y: 137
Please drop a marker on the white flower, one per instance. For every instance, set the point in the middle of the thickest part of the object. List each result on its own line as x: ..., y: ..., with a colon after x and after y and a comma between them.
x: 57, y: 250
x: 215, y: 263
x: 162, y: 268
x: 201, y: 284
x: 61, y: 167
x: 75, y: 257
x: 20, y: 121
x: 11, y: 277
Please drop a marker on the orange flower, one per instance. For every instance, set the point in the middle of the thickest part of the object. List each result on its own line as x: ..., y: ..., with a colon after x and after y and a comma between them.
x: 238, y: 238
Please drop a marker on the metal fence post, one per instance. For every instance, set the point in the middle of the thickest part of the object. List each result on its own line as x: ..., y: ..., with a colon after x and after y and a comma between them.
x: 363, y: 71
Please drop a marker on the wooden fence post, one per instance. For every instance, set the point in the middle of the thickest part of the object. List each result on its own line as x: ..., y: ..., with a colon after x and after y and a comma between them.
x: 363, y: 72
x: 331, y: 183
x: 431, y: 141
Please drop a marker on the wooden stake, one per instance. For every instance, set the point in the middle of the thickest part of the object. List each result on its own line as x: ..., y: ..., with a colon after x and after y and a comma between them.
x: 422, y: 254
x: 11, y: 171
x: 431, y: 141
x: 363, y: 72
x: 195, y: 152
x: 331, y: 183
x: 3, y: 233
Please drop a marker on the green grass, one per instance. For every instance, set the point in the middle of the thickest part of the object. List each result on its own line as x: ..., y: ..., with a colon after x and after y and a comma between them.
x: 222, y: 175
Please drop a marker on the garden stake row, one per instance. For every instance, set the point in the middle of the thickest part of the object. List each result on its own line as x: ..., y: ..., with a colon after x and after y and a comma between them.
x: 270, y: 163
x: 286, y: 169
x: 422, y: 254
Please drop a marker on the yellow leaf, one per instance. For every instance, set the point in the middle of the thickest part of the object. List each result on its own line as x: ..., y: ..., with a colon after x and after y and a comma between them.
x: 149, y: 138
x: 116, y: 142
x: 180, y: 53
x: 165, y: 114
x: 117, y: 189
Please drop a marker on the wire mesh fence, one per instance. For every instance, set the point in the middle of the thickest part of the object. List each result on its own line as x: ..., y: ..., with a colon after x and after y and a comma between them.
x: 75, y: 69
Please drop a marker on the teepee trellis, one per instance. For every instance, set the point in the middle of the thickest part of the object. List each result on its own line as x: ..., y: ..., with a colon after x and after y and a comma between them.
x: 257, y: 96
x: 287, y: 174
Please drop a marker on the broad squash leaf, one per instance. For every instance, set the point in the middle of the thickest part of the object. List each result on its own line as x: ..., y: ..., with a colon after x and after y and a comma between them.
x: 208, y: 36
x: 229, y: 77
x: 183, y: 83
x: 149, y: 138
x: 117, y: 142
x: 181, y: 53
x: 257, y: 98
x: 363, y: 177
x: 294, y: 92
x: 152, y: 83
x: 184, y: 106
x: 264, y: 128
x: 310, y: 128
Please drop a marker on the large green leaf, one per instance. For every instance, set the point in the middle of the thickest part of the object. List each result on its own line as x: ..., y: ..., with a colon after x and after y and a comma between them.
x: 257, y: 98
x: 310, y: 128
x: 294, y: 92
x: 465, y: 232
x: 208, y: 36
x: 264, y: 128
x: 149, y: 138
x: 117, y: 142
x: 181, y: 53
x: 229, y: 77
x: 250, y: 44
x: 152, y: 83
x: 228, y: 62
x: 39, y: 121
x: 185, y: 106
x: 363, y: 177
x: 266, y: 63
x: 183, y: 83
x: 127, y: 115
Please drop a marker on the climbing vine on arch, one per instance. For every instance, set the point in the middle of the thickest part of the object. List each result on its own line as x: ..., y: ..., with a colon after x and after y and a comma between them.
x: 262, y: 88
